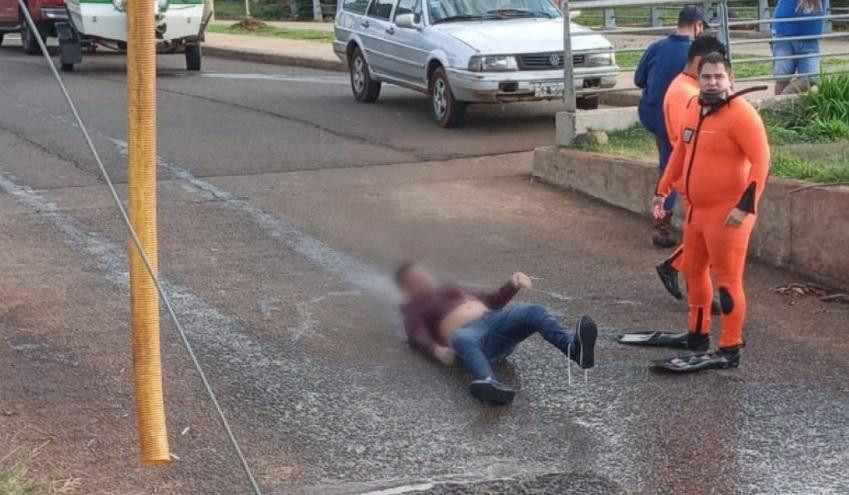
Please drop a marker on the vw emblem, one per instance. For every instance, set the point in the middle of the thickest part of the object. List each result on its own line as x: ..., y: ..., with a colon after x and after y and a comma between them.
x: 554, y: 59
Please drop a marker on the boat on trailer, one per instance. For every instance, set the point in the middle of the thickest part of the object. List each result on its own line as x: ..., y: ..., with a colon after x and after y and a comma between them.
x: 91, y: 23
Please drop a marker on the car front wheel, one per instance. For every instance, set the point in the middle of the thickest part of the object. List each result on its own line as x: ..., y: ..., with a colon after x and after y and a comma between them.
x: 366, y: 90
x: 446, y: 109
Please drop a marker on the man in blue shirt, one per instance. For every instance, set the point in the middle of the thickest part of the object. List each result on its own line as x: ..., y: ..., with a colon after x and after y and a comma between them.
x: 660, y: 64
x: 806, y: 67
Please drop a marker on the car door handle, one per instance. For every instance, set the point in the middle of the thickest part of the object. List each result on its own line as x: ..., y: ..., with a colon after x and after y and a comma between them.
x: 390, y: 30
x: 365, y: 24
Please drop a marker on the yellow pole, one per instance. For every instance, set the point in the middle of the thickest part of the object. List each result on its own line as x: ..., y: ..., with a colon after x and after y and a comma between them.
x: 144, y: 301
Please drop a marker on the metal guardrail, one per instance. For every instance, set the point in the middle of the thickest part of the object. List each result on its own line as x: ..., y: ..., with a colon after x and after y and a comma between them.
x: 759, y: 9
x: 719, y: 13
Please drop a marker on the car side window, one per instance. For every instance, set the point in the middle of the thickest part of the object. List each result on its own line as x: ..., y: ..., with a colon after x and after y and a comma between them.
x: 409, y: 7
x: 355, y: 6
x: 381, y: 9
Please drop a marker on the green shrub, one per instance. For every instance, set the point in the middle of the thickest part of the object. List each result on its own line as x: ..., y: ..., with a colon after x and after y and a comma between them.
x: 829, y: 103
x: 795, y: 167
x: 826, y: 130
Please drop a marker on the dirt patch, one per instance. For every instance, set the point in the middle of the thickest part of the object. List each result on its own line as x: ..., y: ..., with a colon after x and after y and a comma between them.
x: 250, y: 24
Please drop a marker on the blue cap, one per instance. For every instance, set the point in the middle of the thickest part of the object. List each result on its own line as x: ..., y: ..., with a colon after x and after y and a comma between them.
x: 691, y: 14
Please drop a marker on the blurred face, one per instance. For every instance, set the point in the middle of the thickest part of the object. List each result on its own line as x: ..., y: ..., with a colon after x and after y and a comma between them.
x: 418, y: 282
x: 714, y: 78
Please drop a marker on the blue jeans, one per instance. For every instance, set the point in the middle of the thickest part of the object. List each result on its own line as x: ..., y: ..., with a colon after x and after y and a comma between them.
x: 664, y: 148
x: 807, y: 65
x: 495, y: 335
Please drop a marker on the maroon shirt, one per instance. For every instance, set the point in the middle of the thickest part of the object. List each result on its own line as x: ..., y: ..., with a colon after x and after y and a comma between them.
x: 422, y: 317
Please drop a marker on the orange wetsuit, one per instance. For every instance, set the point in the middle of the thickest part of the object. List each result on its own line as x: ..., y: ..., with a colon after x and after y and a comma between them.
x: 682, y: 89
x: 721, y: 161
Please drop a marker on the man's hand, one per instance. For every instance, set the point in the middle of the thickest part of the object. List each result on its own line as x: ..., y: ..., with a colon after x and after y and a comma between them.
x: 444, y: 355
x: 521, y: 281
x: 736, y: 218
x: 657, y: 210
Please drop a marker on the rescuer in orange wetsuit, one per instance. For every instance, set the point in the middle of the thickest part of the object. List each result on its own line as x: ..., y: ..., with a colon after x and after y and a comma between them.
x: 720, y: 163
x: 682, y: 89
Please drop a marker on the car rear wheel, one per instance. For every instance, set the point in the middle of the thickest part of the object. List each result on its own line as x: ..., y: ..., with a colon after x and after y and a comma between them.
x: 1, y: 38
x: 193, y: 56
x: 446, y: 109
x: 28, y: 40
x: 366, y: 90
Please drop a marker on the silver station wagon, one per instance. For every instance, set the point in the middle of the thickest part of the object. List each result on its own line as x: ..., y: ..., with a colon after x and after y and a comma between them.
x: 466, y: 51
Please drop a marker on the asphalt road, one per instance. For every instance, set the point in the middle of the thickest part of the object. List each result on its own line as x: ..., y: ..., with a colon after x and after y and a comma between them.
x: 282, y: 205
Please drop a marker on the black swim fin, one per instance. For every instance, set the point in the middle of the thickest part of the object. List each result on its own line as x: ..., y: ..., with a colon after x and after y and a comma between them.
x: 718, y: 360
x: 684, y: 340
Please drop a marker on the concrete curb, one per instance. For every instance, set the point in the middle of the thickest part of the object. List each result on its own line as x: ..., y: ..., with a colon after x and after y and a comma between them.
x: 274, y: 58
x: 805, y: 231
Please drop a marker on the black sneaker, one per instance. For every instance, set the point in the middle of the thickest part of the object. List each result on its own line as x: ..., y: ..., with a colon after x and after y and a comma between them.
x: 684, y: 340
x: 492, y: 391
x: 669, y: 279
x: 583, y: 347
x: 717, y: 360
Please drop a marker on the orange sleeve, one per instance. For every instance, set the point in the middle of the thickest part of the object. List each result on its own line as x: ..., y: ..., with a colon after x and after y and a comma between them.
x: 752, y: 139
x: 674, y: 169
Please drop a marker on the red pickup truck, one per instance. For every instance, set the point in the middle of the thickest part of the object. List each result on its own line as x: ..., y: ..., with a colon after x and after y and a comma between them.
x: 45, y: 13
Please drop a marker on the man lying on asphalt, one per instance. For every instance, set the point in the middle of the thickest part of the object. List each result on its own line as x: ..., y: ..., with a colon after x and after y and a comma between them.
x: 444, y: 321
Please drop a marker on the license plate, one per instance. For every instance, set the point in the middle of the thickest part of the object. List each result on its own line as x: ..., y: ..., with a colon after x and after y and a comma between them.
x: 548, y: 90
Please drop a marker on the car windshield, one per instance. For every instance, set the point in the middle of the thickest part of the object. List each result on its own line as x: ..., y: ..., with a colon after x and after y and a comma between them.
x: 460, y: 10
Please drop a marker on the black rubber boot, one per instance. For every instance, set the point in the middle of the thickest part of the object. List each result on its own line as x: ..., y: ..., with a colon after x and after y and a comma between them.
x: 492, y: 391
x: 684, y: 340
x: 722, y: 359
x: 669, y: 278
x: 663, y: 237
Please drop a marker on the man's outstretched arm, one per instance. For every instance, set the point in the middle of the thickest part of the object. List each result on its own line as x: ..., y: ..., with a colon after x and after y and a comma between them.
x: 500, y: 298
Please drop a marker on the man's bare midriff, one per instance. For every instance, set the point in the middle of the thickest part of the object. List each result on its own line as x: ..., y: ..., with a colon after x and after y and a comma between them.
x: 458, y: 318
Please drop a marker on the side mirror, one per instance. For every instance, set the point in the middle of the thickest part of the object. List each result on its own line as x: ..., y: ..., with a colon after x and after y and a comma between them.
x: 406, y: 21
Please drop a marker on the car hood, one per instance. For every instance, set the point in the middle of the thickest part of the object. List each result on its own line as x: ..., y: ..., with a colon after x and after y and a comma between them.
x: 513, y: 36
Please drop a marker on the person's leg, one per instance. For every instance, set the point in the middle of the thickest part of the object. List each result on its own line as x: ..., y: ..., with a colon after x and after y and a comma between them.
x: 468, y: 344
x: 808, y: 65
x: 665, y: 153
x: 516, y: 323
x: 782, y: 67
x: 662, y: 236
x: 728, y: 249
x: 696, y: 267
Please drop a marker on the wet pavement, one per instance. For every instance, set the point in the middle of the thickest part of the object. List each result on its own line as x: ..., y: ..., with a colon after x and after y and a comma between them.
x: 282, y: 206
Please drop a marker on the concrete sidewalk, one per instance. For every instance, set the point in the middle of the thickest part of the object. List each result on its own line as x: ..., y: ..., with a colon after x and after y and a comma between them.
x: 273, y: 50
